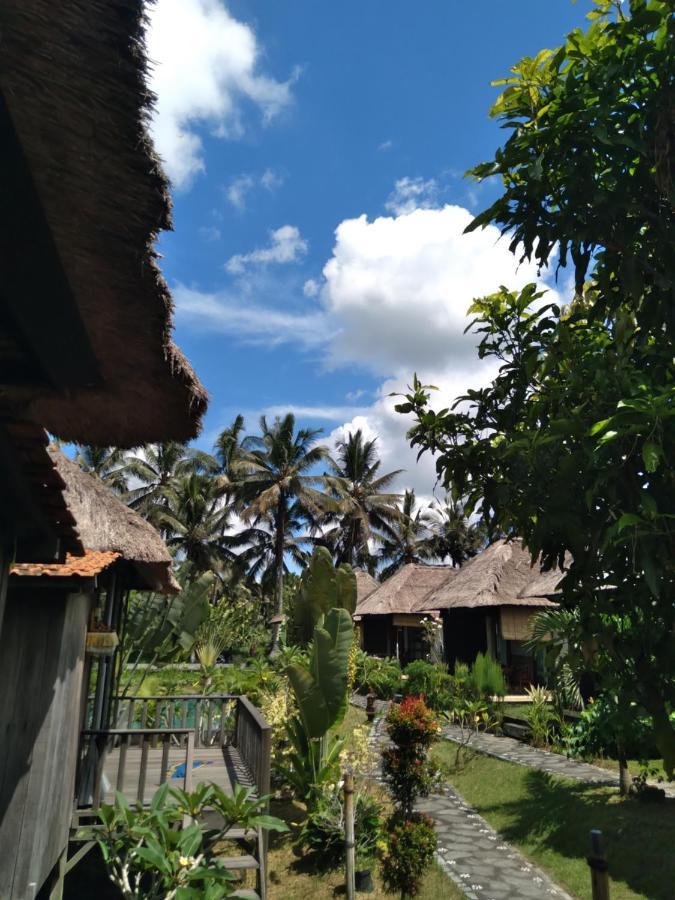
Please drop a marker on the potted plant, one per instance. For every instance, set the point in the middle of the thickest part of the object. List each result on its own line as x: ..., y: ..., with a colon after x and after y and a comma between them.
x: 101, y: 639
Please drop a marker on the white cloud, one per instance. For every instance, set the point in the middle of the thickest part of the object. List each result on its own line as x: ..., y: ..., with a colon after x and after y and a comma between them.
x: 311, y: 287
x: 286, y: 246
x: 209, y: 233
x: 234, y: 315
x: 205, y: 68
x: 385, y: 145
x: 398, y: 288
x: 410, y: 194
x: 240, y: 186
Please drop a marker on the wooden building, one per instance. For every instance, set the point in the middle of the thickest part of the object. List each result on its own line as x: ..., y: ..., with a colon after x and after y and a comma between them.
x: 46, y: 665
x: 85, y: 353
x: 486, y: 606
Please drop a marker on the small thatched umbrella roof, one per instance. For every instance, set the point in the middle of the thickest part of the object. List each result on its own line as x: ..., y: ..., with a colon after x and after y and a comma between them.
x: 495, y: 577
x: 75, y: 104
x: 406, y: 590
x: 365, y: 585
x: 109, y: 530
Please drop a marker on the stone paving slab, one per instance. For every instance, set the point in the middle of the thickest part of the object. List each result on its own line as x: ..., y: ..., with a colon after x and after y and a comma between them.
x: 515, y: 751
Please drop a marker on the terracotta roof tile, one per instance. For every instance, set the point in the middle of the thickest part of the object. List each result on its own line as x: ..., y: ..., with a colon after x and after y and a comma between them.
x: 92, y: 563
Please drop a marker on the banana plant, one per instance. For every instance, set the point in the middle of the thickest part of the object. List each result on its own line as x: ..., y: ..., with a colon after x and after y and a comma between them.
x: 320, y: 687
x: 323, y: 587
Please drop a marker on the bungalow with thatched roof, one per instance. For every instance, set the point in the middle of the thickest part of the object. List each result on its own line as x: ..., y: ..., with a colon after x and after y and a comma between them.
x: 59, y: 635
x: 390, y: 624
x: 85, y: 352
x: 486, y: 607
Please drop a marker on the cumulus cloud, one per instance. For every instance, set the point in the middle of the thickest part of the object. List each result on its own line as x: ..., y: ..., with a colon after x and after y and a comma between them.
x: 399, y: 288
x: 205, y: 69
x: 311, y: 287
x: 410, y: 194
x: 286, y: 246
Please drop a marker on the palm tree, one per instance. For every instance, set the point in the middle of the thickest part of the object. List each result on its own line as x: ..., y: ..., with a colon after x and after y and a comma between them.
x: 259, y: 543
x: 406, y: 539
x: 228, y: 448
x: 453, y: 535
x: 158, y: 468
x: 195, y: 520
x: 275, y: 489
x: 365, y: 510
x: 109, y: 464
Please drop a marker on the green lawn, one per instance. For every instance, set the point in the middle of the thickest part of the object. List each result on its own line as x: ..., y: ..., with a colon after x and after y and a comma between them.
x: 549, y: 820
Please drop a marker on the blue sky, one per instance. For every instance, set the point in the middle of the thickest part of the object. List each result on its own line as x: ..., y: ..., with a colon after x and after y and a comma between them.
x: 317, y: 153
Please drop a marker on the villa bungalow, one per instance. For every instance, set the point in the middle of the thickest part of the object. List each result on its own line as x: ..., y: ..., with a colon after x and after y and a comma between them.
x: 390, y: 623
x: 85, y: 353
x: 486, y: 606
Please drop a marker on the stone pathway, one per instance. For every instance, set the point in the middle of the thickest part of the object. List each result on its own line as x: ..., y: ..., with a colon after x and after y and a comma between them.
x: 515, y: 751
x: 473, y: 855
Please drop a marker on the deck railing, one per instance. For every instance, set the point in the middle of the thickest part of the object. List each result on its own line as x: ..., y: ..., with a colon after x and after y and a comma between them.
x: 185, y: 720
x: 97, y: 744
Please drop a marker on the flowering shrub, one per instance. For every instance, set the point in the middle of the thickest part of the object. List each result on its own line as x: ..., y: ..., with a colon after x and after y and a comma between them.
x: 411, y: 845
x: 411, y: 723
x: 411, y: 839
x: 278, y: 707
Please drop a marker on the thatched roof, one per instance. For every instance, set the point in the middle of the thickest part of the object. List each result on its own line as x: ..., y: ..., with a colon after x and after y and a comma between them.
x: 365, y: 585
x: 106, y: 524
x: 74, y: 80
x: 405, y: 590
x: 495, y: 577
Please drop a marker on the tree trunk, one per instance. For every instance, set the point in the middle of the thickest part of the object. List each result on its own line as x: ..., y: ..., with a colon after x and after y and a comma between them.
x: 625, y: 778
x: 278, y: 574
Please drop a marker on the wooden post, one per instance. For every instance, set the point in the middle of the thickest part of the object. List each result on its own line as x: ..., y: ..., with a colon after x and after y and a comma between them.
x: 350, y: 861
x: 598, y: 865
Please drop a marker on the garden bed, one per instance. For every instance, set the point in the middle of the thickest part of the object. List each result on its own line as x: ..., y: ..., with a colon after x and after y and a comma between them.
x: 549, y: 819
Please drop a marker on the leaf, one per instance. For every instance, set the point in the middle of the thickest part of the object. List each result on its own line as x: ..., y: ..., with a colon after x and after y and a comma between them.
x: 626, y: 520
x: 651, y: 455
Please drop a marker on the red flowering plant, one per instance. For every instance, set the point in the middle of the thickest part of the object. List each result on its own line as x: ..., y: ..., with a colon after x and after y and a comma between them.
x: 411, y: 839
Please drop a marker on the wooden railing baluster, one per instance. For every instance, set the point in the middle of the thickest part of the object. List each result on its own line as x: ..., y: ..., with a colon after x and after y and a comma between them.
x: 124, y: 744
x: 166, y: 743
x: 144, y: 768
x: 198, y: 723
x: 209, y: 723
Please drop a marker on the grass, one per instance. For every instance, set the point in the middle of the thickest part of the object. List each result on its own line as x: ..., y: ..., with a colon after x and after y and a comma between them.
x: 634, y: 766
x: 549, y: 820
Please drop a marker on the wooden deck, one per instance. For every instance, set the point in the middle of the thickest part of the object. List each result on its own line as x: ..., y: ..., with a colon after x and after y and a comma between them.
x: 221, y: 765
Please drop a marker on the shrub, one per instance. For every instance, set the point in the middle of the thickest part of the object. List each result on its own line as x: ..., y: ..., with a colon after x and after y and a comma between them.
x: 412, y: 724
x: 487, y: 677
x: 411, y: 844
x: 381, y: 677
x: 600, y: 728
x: 543, y: 720
x: 439, y: 689
x: 323, y: 833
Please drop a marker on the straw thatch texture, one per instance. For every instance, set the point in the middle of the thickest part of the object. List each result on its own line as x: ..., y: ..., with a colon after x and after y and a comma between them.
x: 105, y: 523
x: 495, y: 577
x: 73, y: 76
x: 365, y: 585
x: 406, y: 590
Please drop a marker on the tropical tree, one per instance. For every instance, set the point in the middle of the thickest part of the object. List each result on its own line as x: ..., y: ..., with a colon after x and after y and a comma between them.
x: 195, y: 520
x: 407, y: 539
x: 570, y: 448
x: 452, y: 535
x: 109, y: 464
x: 364, y: 507
x: 258, y: 545
x: 277, y: 487
x: 158, y: 468
x: 229, y: 451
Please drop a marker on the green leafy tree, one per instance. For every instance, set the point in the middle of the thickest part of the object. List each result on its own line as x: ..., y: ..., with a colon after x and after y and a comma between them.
x: 570, y: 448
x: 365, y: 508
x: 109, y: 464
x: 229, y: 451
x: 276, y: 483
